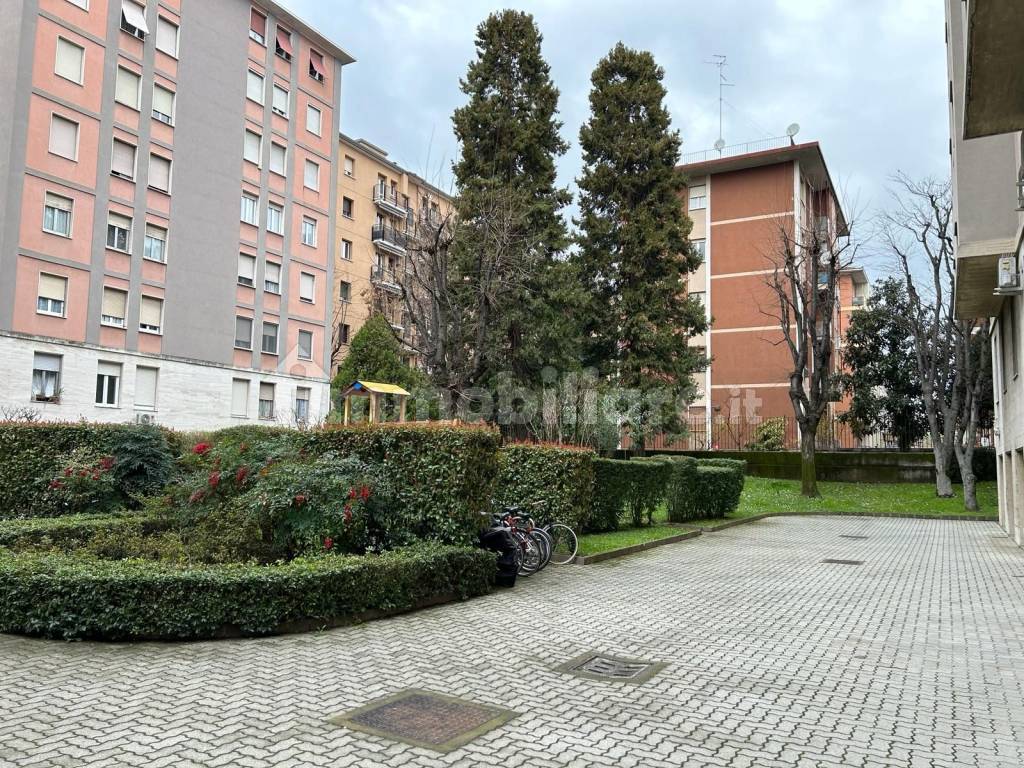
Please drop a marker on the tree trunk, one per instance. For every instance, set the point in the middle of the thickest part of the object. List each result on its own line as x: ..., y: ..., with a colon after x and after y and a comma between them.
x: 943, y: 485
x: 965, y: 459
x: 808, y: 469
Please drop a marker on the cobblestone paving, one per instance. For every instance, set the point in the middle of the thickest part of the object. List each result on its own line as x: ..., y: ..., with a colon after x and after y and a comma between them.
x: 915, y: 658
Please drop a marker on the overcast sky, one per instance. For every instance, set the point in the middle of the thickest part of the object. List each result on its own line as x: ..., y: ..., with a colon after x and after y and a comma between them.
x: 866, y: 79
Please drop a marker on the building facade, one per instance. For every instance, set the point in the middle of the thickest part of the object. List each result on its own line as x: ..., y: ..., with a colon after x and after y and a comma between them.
x: 986, y: 114
x: 168, y: 175
x: 740, y: 205
x: 382, y: 210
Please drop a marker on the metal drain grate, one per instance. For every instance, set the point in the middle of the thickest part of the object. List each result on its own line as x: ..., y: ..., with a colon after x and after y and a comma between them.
x: 852, y: 536
x: 834, y: 561
x: 425, y: 719
x: 602, y: 666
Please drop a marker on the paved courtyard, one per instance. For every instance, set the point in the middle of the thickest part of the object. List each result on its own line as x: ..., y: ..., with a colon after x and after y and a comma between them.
x: 915, y: 658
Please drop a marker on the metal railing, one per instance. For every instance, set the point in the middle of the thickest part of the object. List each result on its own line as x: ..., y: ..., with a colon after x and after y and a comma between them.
x: 734, y: 150
x: 382, y: 233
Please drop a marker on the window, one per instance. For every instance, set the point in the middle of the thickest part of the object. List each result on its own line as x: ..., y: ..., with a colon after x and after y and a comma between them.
x: 305, y: 345
x: 63, y: 137
x: 346, y: 207
x: 317, y: 70
x: 145, y: 387
x: 70, y: 61
x: 280, y: 102
x: 270, y: 338
x: 239, y: 397
x: 346, y: 250
x: 108, y: 380
x: 122, y: 161
x: 283, y: 46
x: 345, y: 292
x: 307, y: 287
x: 151, y: 314
x: 302, y: 404
x: 311, y: 178
x: 272, y: 277
x: 266, y: 401
x: 57, y: 214
x: 698, y: 197
x: 700, y: 248
x: 1008, y: 342
x: 46, y: 377
x: 250, y: 208
x: 252, y: 147
x: 126, y: 89
x: 309, y: 231
x: 314, y: 119
x: 275, y: 218
x: 254, y: 87
x: 119, y: 232
x: 163, y: 104
x: 84, y: 4
x: 350, y: 166
x: 699, y: 296
x: 243, y: 333
x: 114, y: 309
x: 52, y: 295
x: 246, y: 270
x: 133, y: 19
x: 278, y: 159
x: 155, y: 245
x: 258, y: 26
x: 166, y: 36
x: 159, y: 173
x: 343, y: 333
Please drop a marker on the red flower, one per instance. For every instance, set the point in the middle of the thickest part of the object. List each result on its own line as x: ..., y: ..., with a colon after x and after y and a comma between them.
x: 196, y: 496
x: 328, y: 543
x: 95, y: 475
x: 299, y: 500
x: 348, y: 513
x: 200, y: 449
x: 364, y: 493
x: 241, y: 475
x: 214, y: 479
x: 83, y: 473
x: 56, y: 484
x: 352, y: 493
x: 67, y: 472
x: 107, y: 462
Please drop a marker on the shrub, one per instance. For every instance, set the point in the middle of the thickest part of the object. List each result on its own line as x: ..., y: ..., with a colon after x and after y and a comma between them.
x: 739, y: 465
x: 84, y: 483
x: 69, y: 597
x: 770, y: 435
x: 553, y: 483
x: 634, y: 488
x: 680, y: 488
x: 70, y: 531
x: 648, y: 487
x: 143, y: 461
x: 717, y: 490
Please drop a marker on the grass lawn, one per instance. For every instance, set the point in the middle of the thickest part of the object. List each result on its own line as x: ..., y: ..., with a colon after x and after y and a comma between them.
x: 765, y: 496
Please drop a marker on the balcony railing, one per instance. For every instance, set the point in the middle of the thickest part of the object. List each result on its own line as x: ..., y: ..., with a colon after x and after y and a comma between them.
x: 390, y: 239
x: 389, y: 200
x: 762, y: 145
x: 386, y: 279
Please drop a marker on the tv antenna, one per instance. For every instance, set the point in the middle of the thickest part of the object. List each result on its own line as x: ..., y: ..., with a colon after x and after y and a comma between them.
x: 720, y: 61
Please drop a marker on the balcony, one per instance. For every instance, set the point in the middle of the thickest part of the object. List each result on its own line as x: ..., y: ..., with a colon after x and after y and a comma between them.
x: 389, y: 239
x: 389, y: 201
x: 386, y: 280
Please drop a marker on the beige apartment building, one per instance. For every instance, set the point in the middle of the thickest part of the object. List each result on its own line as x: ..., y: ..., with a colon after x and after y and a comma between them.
x: 382, y: 209
x: 986, y: 112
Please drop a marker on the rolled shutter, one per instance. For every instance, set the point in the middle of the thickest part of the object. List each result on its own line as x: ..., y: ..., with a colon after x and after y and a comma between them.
x: 163, y: 100
x: 114, y: 302
x: 123, y: 160
x: 159, y: 173
x: 53, y: 287
x: 150, y: 311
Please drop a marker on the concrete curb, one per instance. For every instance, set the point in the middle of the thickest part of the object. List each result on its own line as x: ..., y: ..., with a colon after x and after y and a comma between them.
x: 622, y: 551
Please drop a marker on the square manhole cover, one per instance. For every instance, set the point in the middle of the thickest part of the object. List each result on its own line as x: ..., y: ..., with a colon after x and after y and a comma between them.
x: 425, y: 719
x: 852, y: 536
x: 834, y: 561
x: 602, y: 666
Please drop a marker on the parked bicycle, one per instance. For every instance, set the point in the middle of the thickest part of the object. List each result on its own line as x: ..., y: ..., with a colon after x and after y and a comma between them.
x: 537, y: 545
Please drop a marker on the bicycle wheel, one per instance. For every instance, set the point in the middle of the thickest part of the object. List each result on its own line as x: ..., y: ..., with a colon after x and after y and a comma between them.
x: 544, y: 541
x: 531, y: 554
x: 565, y: 544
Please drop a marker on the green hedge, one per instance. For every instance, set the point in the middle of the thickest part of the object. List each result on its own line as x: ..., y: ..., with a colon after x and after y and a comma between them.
x: 31, y: 454
x: 680, y: 489
x: 740, y: 465
x: 553, y: 484
x: 717, y: 490
x: 69, y: 597
x: 627, y: 488
x: 70, y: 531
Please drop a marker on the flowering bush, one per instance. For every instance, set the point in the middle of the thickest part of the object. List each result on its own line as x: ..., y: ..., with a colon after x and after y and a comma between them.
x: 84, y: 483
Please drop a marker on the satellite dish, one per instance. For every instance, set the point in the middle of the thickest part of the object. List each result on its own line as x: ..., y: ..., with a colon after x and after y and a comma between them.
x: 793, y: 130
x: 720, y: 145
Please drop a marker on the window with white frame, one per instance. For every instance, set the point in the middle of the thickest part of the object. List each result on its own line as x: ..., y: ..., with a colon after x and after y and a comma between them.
x: 108, y: 383
x: 350, y: 166
x: 305, y: 345
x: 698, y: 197
x: 278, y: 159
x: 167, y: 36
x: 240, y: 397
x: 246, y: 270
x: 46, y: 370
x: 280, y: 101
x: 145, y: 387
x: 346, y: 207
x: 275, y: 218
x: 119, y: 232
x: 269, y: 344
x: 254, y: 87
x: 250, y: 209
x: 126, y: 88
x: 57, y: 211
x: 243, y: 332
x: 345, y: 292
x: 307, y: 287
x: 311, y: 177
x: 122, y: 160
x: 699, y: 247
x: 70, y: 61
x: 52, y: 295
x: 83, y: 4
x: 266, y: 400
x: 314, y: 119
x: 258, y: 27
x: 63, y: 137
x: 163, y: 104
x: 133, y: 19
x: 115, y: 307
x: 346, y: 250
x: 698, y: 295
x: 302, y: 395
x: 252, y: 147
x: 159, y: 173
x: 155, y: 245
x: 151, y: 314
x: 272, y: 277
x: 309, y: 231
